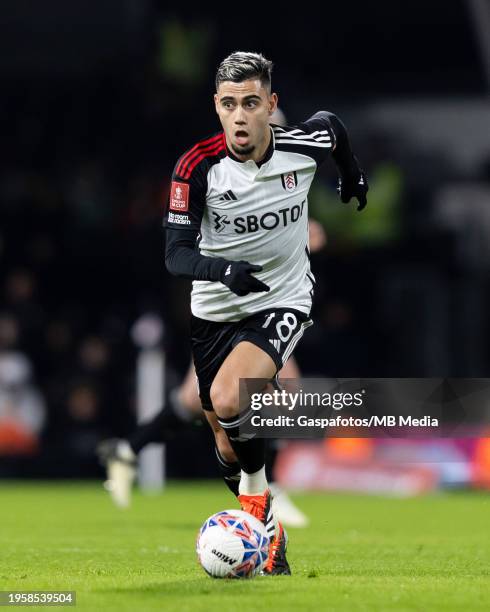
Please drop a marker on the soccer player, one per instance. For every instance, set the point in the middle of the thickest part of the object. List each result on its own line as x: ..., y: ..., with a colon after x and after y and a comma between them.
x: 236, y: 225
x: 119, y: 456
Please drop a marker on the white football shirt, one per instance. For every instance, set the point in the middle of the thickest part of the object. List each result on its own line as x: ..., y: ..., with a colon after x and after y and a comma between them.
x: 251, y: 212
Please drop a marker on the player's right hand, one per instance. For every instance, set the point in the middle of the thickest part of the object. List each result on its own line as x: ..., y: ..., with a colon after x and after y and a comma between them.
x: 237, y: 276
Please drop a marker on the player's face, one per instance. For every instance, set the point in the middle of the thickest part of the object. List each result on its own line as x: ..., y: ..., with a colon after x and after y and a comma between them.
x: 244, y: 110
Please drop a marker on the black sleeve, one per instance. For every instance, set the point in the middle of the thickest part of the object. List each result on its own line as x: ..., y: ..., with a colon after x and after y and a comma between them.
x: 182, y: 257
x: 342, y: 152
x: 182, y: 222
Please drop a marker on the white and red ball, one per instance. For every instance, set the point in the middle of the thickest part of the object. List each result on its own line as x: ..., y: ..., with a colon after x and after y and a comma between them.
x: 232, y: 544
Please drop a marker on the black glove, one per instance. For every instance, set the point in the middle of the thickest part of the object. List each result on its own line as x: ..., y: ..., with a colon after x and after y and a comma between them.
x: 237, y: 276
x: 354, y: 186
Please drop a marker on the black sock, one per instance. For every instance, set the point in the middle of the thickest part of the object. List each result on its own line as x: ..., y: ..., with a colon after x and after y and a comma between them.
x: 250, y: 451
x: 162, y: 427
x: 230, y: 472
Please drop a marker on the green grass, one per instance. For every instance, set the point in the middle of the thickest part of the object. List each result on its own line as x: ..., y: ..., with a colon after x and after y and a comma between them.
x: 360, y: 553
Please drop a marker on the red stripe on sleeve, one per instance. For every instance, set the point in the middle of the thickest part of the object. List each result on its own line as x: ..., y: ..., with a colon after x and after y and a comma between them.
x: 194, y: 149
x: 199, y: 152
x: 219, y: 147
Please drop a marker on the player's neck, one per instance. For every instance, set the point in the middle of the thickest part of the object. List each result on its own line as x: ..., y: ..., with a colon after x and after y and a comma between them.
x: 258, y: 154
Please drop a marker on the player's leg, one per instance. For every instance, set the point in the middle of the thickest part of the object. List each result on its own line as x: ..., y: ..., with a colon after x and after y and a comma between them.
x: 246, y: 361
x: 269, y: 334
x: 183, y: 407
x: 119, y: 456
x: 283, y: 507
x: 227, y: 461
x: 262, y: 344
x: 249, y: 361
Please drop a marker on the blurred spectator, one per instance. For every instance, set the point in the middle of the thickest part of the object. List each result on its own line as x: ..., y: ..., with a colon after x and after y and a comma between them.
x: 19, y: 298
x: 93, y: 355
x: 75, y: 430
x: 22, y: 408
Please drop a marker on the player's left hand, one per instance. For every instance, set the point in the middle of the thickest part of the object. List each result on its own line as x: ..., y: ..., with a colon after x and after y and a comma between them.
x: 354, y: 187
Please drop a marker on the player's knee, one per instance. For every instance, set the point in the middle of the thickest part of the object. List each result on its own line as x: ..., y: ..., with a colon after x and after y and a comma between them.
x: 225, y: 402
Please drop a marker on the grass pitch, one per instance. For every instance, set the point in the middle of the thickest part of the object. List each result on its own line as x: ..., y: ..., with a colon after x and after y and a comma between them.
x: 360, y: 553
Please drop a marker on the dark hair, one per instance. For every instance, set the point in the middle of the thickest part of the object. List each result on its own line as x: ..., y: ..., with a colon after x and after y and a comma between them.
x: 241, y: 66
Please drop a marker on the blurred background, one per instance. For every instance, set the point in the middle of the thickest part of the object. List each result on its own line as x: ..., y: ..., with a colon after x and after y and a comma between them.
x: 98, y: 99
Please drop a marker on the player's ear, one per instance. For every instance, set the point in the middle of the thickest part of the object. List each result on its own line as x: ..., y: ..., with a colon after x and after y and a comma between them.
x: 273, y: 101
x: 216, y: 102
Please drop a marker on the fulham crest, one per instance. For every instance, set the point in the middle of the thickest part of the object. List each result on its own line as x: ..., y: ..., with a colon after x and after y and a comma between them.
x: 289, y: 181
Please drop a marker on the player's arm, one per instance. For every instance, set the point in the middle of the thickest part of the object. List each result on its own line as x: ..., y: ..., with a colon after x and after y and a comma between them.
x: 352, y: 181
x: 182, y: 257
x: 182, y: 224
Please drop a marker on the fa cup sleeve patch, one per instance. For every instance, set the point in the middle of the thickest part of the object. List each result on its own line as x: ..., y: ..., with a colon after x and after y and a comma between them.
x: 179, y: 196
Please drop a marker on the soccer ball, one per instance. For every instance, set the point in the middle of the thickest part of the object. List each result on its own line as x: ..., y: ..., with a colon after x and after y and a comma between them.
x: 232, y: 544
